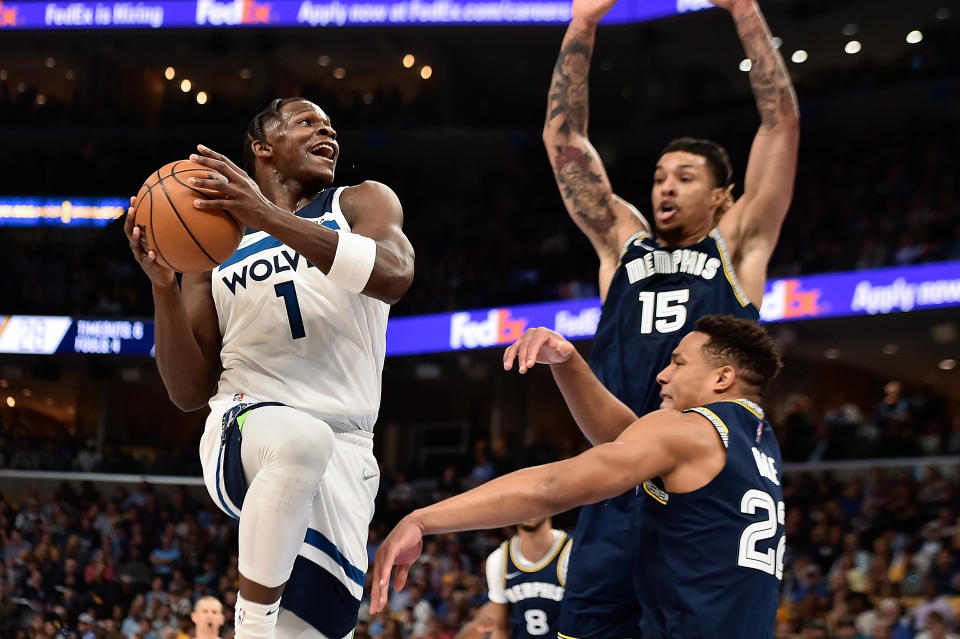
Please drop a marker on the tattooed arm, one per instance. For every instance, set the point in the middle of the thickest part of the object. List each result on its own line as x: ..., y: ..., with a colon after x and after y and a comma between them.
x: 606, y: 219
x: 753, y: 225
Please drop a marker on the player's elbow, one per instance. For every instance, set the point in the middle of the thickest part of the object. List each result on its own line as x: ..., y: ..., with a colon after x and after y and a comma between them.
x: 396, y: 280
x: 188, y: 401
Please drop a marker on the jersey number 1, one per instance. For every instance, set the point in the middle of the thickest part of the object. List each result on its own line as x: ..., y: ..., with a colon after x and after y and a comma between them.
x: 288, y: 292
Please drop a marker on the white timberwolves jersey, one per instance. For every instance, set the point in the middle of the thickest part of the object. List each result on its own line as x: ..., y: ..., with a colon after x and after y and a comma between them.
x: 290, y: 335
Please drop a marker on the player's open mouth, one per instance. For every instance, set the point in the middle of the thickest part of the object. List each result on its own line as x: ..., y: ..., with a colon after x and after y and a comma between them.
x: 323, y: 150
x: 666, y: 211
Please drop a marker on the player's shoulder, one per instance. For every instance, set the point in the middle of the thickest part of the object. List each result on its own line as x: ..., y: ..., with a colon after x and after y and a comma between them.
x: 369, y: 198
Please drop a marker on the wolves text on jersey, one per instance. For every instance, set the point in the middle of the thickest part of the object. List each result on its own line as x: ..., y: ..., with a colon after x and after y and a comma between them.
x: 259, y: 270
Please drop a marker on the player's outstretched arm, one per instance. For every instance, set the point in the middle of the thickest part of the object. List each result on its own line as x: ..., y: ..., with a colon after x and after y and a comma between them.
x: 599, y: 414
x: 606, y: 219
x: 186, y: 331
x: 375, y: 258
x: 650, y: 447
x: 753, y: 224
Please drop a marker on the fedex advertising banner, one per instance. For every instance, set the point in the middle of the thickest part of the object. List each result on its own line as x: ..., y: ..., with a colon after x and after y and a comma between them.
x: 878, y: 291
x: 314, y: 13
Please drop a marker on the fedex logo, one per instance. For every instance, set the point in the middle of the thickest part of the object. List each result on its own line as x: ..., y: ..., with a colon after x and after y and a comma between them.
x: 8, y: 15
x: 693, y: 5
x: 787, y: 300
x: 497, y: 328
x: 232, y: 12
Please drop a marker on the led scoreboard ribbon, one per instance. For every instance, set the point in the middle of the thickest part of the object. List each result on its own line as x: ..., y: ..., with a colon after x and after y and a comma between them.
x: 873, y: 292
x: 315, y: 13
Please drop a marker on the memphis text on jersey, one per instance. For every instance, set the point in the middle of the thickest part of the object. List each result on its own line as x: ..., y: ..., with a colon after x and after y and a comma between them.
x: 532, y: 590
x: 669, y: 262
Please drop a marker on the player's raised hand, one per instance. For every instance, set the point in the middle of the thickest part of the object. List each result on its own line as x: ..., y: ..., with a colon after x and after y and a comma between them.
x: 592, y: 10
x: 730, y: 5
x: 233, y: 190
x: 537, y: 346
x: 146, y: 258
x: 401, y: 548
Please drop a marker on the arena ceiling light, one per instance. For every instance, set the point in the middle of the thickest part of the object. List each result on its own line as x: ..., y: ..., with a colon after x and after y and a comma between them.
x: 799, y: 56
x: 777, y: 42
x: 201, y: 97
x: 746, y: 64
x: 339, y: 73
x: 914, y: 37
x: 426, y: 71
x: 169, y: 73
x: 185, y: 85
x: 409, y: 61
x: 849, y: 29
x: 947, y: 364
x: 853, y: 47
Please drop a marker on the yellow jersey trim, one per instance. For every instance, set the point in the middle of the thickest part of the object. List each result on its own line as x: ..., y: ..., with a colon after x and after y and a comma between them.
x: 716, y: 421
x: 728, y: 267
x: 550, y: 556
x: 753, y: 407
x: 639, y: 235
x: 504, y: 548
x: 654, y: 495
x: 564, y: 556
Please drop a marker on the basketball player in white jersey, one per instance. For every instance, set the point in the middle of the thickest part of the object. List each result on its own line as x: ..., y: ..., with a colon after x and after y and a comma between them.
x: 526, y: 576
x: 285, y: 341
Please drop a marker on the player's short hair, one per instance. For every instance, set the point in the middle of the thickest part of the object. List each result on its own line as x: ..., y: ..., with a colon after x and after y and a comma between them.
x: 716, y: 156
x: 256, y: 131
x: 206, y: 598
x: 744, y: 345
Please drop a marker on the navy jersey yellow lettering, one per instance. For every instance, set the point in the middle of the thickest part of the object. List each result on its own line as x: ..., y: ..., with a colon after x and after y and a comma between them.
x: 655, y: 298
x: 716, y: 567
x: 534, y: 593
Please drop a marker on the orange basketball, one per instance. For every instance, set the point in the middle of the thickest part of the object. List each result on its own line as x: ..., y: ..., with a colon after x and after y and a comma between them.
x: 183, y: 237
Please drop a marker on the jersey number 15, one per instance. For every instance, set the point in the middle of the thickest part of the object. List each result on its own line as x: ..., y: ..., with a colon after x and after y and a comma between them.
x: 668, y: 308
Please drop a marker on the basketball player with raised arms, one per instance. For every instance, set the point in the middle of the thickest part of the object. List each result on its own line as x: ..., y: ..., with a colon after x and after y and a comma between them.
x: 285, y: 341
x: 525, y: 579
x: 706, y: 254
x: 718, y: 568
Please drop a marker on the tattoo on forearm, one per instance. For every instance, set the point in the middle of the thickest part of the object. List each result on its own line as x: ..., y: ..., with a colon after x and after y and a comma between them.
x: 769, y: 78
x: 568, y: 96
x: 583, y: 188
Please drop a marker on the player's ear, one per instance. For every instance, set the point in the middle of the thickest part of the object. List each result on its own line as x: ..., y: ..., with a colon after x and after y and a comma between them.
x: 725, y: 376
x: 261, y: 149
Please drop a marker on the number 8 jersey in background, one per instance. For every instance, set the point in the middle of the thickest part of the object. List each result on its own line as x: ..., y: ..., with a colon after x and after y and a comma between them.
x: 656, y: 296
x: 532, y: 589
x: 290, y: 335
x: 717, y: 562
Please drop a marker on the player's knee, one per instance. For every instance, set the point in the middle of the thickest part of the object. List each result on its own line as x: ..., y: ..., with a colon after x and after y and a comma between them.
x: 309, y: 446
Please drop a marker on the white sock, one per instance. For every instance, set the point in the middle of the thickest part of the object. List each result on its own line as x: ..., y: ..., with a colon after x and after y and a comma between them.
x: 255, y: 620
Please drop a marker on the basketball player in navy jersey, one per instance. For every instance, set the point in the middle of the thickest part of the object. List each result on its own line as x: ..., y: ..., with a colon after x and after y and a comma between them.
x: 285, y: 342
x: 706, y: 254
x: 525, y: 579
x: 719, y: 565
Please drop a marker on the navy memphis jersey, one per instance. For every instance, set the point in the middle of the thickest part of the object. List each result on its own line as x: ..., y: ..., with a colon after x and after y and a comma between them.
x: 717, y: 565
x: 534, y: 592
x: 655, y: 298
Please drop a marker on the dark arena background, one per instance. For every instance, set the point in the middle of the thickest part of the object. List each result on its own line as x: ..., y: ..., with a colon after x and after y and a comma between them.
x: 444, y: 102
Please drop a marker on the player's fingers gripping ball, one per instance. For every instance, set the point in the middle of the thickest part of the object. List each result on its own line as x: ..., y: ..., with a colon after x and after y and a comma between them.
x: 183, y: 237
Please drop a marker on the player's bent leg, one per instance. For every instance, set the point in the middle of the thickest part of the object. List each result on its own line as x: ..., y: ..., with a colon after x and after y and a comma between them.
x: 290, y: 626
x: 284, y: 453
